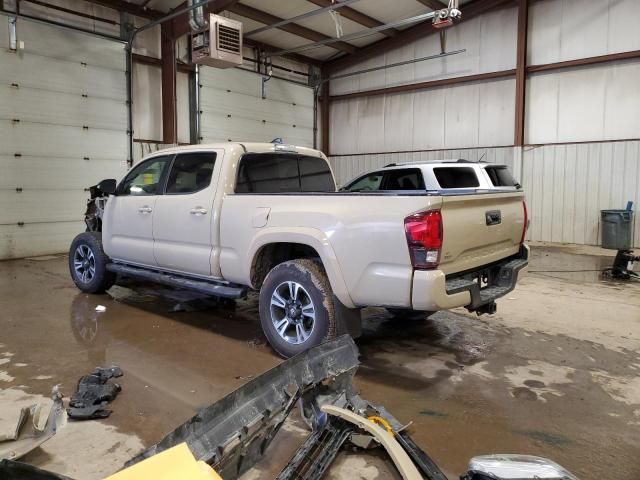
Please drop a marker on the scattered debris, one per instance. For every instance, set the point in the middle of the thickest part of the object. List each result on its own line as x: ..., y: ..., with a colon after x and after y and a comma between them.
x: 244, y: 377
x: 93, y: 394
x: 101, y: 308
x: 35, y: 425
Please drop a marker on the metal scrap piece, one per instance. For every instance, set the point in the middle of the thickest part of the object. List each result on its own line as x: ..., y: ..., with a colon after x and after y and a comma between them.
x: 233, y: 433
x: 32, y: 432
x: 400, y: 458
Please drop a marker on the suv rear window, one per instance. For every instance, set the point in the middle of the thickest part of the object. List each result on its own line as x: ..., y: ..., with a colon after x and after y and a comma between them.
x: 456, y: 177
x: 283, y: 173
x: 500, y: 176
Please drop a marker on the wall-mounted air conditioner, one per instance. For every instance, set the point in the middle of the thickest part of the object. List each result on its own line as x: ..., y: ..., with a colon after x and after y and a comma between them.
x: 219, y: 44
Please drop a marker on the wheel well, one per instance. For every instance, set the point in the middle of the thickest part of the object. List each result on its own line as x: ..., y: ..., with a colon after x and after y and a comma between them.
x: 275, y: 253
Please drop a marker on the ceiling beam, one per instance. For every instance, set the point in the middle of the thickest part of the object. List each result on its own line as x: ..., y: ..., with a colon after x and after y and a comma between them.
x: 469, y: 11
x: 293, y: 28
x: 433, y: 4
x: 131, y: 8
x: 297, y: 57
x: 357, y: 17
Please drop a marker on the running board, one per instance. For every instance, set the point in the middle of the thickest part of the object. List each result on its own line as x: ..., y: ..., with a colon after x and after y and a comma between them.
x: 203, y: 286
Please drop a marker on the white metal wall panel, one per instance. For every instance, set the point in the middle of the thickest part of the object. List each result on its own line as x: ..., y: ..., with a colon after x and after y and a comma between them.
x: 593, y: 103
x: 568, y: 185
x: 489, y: 40
x: 147, y: 102
x: 562, y: 30
x: 232, y: 108
x: 347, y: 167
x: 63, y: 120
x: 462, y: 116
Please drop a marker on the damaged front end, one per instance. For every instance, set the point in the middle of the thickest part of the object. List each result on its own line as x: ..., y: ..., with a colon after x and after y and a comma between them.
x: 98, y: 196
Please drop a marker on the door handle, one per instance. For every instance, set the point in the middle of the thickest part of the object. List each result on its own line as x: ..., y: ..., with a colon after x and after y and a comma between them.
x: 145, y: 209
x: 198, y: 211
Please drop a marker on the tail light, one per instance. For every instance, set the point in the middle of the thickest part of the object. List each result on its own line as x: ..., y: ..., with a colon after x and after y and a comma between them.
x: 525, y: 225
x: 424, y: 237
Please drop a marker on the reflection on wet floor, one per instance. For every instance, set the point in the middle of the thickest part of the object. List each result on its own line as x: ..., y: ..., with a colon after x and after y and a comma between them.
x: 470, y: 385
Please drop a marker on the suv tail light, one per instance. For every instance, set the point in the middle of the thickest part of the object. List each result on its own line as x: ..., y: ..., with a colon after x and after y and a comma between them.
x: 424, y: 237
x: 525, y: 225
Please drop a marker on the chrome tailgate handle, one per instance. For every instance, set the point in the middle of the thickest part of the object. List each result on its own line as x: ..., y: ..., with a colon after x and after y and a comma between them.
x: 493, y: 217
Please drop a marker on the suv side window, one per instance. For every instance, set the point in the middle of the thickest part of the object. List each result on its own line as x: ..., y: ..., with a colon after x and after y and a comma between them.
x: 190, y: 172
x: 145, y: 178
x: 368, y: 183
x: 407, y: 179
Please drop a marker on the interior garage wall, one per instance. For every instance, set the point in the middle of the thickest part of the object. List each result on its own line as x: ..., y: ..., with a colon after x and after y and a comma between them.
x: 582, y: 124
x: 62, y: 128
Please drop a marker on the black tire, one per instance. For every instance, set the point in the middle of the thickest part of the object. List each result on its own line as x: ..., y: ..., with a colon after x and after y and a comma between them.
x: 92, y: 276
x: 403, y: 314
x: 309, y: 275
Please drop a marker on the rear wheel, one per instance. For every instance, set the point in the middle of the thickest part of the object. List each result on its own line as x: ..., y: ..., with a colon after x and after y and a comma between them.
x: 88, y: 264
x: 296, y: 307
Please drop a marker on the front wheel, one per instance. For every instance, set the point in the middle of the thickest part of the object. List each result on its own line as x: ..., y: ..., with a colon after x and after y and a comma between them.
x: 88, y: 264
x: 296, y: 307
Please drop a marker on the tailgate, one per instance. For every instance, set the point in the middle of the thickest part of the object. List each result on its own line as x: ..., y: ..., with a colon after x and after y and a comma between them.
x: 480, y: 228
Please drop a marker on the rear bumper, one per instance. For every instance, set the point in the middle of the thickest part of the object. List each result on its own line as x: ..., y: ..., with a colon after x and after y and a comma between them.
x: 433, y: 291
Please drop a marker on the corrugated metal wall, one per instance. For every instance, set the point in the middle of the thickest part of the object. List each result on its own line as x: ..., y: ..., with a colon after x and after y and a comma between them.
x: 568, y: 184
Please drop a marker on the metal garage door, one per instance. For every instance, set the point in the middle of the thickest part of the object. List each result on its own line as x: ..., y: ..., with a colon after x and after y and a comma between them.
x: 63, y: 118
x: 232, y: 108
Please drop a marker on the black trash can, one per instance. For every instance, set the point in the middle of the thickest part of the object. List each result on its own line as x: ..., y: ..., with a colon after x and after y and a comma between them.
x: 617, y: 229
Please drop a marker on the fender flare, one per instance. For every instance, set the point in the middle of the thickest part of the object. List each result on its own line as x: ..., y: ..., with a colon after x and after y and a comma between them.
x: 310, y: 237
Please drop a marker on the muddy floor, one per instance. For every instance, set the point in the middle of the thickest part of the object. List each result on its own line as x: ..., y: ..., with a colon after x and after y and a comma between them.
x: 555, y: 373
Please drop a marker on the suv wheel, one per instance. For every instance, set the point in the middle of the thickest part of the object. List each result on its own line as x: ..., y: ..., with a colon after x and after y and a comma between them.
x: 296, y: 307
x: 88, y: 264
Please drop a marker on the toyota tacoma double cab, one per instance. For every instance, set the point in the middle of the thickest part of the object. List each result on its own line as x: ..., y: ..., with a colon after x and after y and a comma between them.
x: 223, y: 219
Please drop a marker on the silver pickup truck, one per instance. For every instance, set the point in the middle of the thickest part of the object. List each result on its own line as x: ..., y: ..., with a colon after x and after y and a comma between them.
x: 225, y: 218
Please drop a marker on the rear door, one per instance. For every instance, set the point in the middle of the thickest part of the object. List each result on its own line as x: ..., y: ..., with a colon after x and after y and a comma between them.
x: 128, y: 225
x: 184, y: 216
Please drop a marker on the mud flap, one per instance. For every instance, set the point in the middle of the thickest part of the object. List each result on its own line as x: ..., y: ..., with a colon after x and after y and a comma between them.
x: 348, y: 320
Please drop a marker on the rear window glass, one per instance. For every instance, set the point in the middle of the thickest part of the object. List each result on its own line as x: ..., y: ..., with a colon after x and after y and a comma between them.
x: 500, y: 176
x: 283, y: 173
x: 456, y: 177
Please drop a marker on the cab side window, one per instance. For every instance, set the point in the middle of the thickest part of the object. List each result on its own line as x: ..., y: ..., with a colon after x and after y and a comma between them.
x: 145, y: 178
x: 190, y: 172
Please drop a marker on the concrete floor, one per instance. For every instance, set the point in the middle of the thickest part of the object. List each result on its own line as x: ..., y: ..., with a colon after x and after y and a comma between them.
x: 555, y: 373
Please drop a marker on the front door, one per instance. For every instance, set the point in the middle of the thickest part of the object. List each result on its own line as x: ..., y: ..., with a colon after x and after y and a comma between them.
x: 183, y: 217
x: 128, y: 224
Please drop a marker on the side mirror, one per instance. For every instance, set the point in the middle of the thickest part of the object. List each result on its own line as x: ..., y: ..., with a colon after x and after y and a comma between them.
x: 108, y: 186
x: 521, y: 467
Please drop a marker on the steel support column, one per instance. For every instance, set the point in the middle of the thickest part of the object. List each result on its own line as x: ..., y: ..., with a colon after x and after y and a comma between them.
x: 324, y: 118
x: 168, y: 54
x: 521, y: 72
